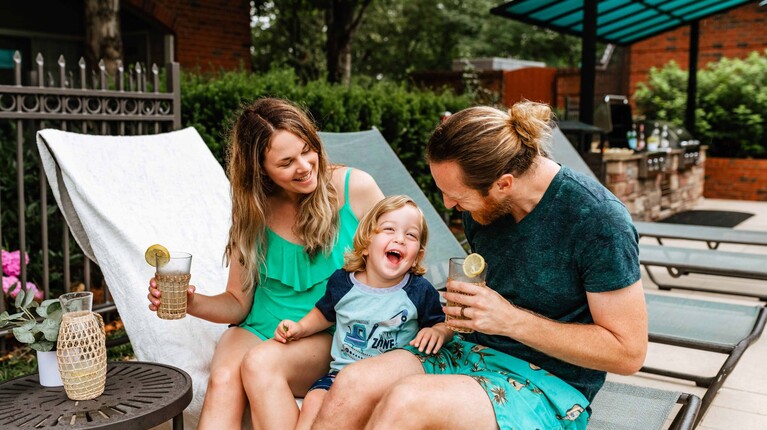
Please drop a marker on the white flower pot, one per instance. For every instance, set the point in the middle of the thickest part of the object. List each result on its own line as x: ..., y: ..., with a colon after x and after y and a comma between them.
x: 48, y: 369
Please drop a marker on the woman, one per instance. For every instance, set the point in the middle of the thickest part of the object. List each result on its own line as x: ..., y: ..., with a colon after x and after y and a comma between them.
x: 293, y: 216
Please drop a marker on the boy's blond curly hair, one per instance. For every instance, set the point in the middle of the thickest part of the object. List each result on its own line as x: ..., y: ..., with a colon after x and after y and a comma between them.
x: 355, y: 260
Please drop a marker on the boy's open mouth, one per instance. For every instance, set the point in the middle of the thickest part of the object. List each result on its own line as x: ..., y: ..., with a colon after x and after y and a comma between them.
x: 393, y: 256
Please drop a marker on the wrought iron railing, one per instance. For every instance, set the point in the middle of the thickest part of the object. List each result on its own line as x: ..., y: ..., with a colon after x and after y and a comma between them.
x: 132, y: 101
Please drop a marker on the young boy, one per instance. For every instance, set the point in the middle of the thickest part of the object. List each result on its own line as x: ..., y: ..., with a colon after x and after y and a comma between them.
x: 379, y: 301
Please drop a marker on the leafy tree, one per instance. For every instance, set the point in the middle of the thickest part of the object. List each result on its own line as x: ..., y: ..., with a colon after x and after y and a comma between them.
x: 732, y: 103
x: 301, y: 33
x: 288, y: 33
x: 103, y: 39
x: 397, y: 37
x: 342, y: 18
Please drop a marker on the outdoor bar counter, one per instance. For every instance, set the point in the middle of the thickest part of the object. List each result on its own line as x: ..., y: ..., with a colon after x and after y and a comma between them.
x: 654, y: 185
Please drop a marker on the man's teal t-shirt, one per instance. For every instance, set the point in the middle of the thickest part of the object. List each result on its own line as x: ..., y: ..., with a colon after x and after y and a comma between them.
x: 578, y: 238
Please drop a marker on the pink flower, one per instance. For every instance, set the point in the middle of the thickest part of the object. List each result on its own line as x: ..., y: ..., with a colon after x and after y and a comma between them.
x: 11, y: 262
x: 33, y: 288
x: 8, y: 283
x: 12, y: 287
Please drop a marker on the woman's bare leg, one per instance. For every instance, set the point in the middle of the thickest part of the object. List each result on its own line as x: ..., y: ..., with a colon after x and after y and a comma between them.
x: 310, y: 408
x: 225, y: 397
x: 274, y: 373
x: 360, y: 386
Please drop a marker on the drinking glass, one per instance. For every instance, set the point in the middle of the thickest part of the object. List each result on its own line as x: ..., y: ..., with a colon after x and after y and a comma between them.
x: 77, y: 302
x: 456, y: 273
x: 172, y: 280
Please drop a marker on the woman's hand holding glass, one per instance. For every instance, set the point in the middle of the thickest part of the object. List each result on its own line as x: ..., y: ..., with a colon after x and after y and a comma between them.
x: 155, y: 296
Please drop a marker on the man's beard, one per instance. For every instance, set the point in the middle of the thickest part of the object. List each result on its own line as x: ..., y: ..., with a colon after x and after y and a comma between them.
x: 491, y: 210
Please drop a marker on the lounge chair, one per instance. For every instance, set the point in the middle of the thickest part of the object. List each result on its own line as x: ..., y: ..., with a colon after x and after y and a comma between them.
x: 121, y: 194
x: 680, y: 262
x: 631, y: 407
x: 705, y: 325
x: 712, y: 236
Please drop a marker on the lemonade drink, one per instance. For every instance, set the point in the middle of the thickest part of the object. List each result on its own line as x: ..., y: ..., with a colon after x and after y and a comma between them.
x: 172, y: 280
x: 457, y: 271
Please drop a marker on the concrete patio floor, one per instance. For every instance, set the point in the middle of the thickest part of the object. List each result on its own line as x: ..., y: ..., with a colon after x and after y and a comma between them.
x: 742, y: 401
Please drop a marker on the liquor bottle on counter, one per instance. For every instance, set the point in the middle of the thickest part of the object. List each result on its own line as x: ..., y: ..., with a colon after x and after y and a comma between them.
x: 640, y: 137
x: 631, y: 137
x: 654, y: 140
x: 664, y: 142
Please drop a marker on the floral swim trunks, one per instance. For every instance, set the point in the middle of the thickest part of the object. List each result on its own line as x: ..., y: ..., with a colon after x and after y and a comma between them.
x: 523, y: 395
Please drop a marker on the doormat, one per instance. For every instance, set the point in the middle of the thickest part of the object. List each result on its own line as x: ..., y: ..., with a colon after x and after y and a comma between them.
x: 708, y: 218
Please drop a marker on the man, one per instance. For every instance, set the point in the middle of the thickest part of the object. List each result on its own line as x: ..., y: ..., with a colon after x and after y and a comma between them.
x: 564, y: 305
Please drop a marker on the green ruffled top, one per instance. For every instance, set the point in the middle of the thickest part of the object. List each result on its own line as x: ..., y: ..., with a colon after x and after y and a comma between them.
x: 290, y: 282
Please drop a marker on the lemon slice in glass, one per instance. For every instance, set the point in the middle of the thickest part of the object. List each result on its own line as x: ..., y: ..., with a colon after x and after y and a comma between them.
x: 473, y: 265
x: 157, y: 254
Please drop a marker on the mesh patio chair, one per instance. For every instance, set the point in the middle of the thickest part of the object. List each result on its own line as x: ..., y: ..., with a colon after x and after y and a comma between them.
x: 705, y: 325
x: 629, y: 407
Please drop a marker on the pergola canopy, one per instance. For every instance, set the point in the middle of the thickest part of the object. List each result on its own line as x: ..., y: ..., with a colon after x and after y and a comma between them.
x: 621, y: 22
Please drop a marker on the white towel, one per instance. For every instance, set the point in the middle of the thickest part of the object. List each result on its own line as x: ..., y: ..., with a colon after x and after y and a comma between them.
x: 121, y: 194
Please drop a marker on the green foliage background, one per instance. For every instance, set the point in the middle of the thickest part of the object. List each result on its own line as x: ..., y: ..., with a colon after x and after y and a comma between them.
x: 732, y: 103
x: 406, y: 117
x: 397, y: 37
x: 9, y: 218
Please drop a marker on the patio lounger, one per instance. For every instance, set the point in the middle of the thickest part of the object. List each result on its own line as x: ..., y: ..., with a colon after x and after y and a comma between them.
x: 121, y: 194
x: 684, y: 261
x: 713, y: 236
x: 630, y: 407
x: 617, y: 406
x: 705, y: 325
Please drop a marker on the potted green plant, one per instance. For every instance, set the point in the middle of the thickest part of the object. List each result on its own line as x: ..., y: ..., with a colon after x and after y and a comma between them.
x: 39, y: 331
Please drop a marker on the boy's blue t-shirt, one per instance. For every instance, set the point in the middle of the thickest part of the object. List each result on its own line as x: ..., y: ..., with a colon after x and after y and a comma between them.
x: 370, y: 321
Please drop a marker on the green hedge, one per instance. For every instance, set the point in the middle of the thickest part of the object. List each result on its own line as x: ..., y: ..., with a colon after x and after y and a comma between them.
x: 732, y: 103
x: 405, y: 117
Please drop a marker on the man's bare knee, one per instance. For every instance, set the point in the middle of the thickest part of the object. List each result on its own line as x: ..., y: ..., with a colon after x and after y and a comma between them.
x: 399, y: 399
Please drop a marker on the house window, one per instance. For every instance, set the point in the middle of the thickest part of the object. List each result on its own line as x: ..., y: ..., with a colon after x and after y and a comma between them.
x: 6, y: 59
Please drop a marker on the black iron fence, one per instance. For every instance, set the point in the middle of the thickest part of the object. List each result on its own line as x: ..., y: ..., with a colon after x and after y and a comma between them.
x: 133, y: 100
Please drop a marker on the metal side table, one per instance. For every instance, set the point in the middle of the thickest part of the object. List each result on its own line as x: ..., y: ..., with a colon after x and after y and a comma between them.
x: 137, y: 395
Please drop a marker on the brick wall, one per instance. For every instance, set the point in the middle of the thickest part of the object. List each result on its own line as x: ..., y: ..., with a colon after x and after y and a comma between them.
x: 736, y: 179
x: 654, y: 197
x: 211, y: 34
x: 734, y: 34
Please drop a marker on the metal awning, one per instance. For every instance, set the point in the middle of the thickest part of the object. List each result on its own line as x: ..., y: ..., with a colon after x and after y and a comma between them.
x: 621, y: 22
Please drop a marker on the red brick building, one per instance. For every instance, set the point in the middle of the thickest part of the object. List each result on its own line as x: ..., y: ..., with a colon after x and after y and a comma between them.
x: 734, y: 34
x: 209, y: 34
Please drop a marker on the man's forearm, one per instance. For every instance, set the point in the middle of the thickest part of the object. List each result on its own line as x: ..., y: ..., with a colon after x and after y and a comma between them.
x: 616, y: 342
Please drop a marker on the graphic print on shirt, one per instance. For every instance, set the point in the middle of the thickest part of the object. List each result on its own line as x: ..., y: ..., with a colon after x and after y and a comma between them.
x: 358, y: 339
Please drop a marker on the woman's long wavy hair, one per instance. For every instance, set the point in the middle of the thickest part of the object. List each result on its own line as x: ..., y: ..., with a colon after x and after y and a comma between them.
x: 317, y: 216
x: 355, y: 260
x: 488, y: 143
